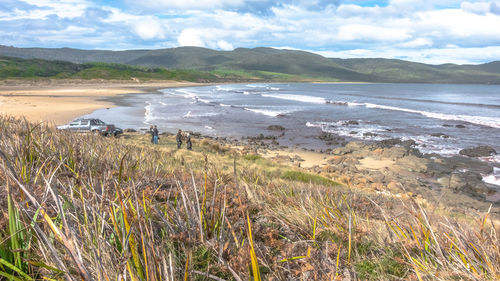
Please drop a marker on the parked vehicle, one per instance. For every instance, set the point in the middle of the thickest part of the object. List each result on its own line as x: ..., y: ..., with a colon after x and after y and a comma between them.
x: 91, y: 125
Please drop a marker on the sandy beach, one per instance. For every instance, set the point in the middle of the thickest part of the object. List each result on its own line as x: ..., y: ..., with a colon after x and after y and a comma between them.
x: 59, y: 102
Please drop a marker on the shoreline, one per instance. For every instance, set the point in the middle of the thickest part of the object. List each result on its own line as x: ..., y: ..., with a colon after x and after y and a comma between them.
x: 59, y: 102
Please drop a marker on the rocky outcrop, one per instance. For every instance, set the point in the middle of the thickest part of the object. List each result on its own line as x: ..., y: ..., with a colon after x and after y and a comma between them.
x: 395, y: 165
x: 331, y: 139
x: 275, y: 128
x: 479, y: 151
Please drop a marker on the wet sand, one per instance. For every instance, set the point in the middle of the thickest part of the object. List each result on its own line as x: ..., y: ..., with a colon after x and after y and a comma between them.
x: 59, y: 102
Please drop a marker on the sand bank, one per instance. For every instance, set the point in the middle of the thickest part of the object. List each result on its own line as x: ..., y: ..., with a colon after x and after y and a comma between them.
x: 59, y: 102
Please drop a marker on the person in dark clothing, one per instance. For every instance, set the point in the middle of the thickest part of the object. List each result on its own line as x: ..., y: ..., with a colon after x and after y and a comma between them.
x: 178, y: 138
x: 156, y: 135
x: 189, y: 145
x: 151, y: 132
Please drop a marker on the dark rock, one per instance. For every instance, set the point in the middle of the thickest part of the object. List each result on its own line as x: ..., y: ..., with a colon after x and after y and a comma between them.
x: 460, y: 126
x: 350, y: 122
x: 337, y: 102
x: 438, y: 169
x: 369, y: 134
x: 352, y: 132
x: 447, y: 125
x: 479, y: 151
x: 440, y: 135
x: 326, y: 136
x: 394, y: 142
x: 331, y: 139
x: 468, y: 182
x: 471, y: 164
x: 130, y: 130
x: 276, y: 128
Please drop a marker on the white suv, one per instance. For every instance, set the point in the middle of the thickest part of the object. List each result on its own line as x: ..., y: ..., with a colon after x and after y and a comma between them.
x: 91, y: 125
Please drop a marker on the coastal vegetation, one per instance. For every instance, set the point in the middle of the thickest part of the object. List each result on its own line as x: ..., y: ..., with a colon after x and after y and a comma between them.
x: 15, y: 68
x: 241, y: 64
x: 85, y: 207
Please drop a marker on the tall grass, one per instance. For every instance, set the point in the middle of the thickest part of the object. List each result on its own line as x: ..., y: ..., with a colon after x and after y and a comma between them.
x: 93, y: 208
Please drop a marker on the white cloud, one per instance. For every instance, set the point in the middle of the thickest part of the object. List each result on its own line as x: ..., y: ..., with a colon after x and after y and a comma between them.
x: 455, y: 23
x: 481, y: 7
x: 78, y: 29
x: 431, y: 56
x: 62, y: 8
x: 189, y: 4
x: 476, y: 8
x: 352, y: 32
x: 191, y: 37
x: 416, y: 43
x: 224, y: 45
x: 149, y: 28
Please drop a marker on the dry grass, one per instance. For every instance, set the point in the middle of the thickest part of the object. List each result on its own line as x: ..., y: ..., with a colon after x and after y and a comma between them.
x: 93, y: 208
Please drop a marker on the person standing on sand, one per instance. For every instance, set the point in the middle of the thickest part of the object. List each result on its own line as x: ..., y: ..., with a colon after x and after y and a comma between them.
x: 189, y: 145
x: 178, y: 138
x: 156, y: 136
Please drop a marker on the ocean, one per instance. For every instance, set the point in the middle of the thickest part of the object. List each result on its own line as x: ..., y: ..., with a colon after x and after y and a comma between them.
x: 441, y: 118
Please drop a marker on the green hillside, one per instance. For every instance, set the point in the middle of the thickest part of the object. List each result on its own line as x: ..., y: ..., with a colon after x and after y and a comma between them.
x: 37, y: 68
x: 256, y: 64
x: 391, y: 70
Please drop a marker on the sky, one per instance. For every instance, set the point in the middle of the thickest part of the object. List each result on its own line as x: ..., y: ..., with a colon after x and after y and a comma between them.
x: 439, y: 31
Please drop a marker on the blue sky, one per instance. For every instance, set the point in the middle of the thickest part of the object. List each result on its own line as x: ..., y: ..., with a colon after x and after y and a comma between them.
x: 440, y: 31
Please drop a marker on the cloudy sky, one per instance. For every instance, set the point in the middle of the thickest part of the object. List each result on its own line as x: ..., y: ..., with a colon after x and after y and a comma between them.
x: 438, y: 31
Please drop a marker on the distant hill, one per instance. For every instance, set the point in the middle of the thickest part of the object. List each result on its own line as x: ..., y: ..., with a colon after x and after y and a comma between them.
x: 392, y: 70
x: 273, y: 64
x: 39, y: 69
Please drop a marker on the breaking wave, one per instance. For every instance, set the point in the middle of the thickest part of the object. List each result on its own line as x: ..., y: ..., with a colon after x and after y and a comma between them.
x: 270, y: 113
x: 479, y: 120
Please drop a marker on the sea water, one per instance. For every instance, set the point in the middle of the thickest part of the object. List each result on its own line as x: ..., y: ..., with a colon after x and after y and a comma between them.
x: 441, y: 118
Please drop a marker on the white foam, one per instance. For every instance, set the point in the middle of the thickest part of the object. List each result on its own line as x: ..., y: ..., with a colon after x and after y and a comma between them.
x: 203, y: 100
x: 225, y: 105
x: 315, y: 124
x: 271, y: 113
x: 342, y: 128
x: 355, y: 104
x: 300, y: 98
x: 208, y: 114
x: 183, y: 93
x: 208, y: 127
x: 491, y: 159
x: 149, y: 115
x: 493, y: 178
x: 221, y: 88
x: 363, y: 131
x: 479, y: 120
x: 274, y: 88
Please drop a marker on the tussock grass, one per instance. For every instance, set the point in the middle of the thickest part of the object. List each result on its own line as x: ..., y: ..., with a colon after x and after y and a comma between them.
x: 307, y: 178
x: 87, y: 207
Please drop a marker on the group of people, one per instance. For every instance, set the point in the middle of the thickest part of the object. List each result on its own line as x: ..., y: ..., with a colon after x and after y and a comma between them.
x: 179, y: 137
x: 155, y: 137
